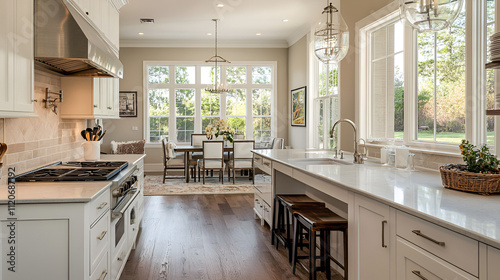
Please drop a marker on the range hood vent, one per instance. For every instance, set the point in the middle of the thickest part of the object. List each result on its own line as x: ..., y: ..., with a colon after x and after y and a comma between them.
x: 66, y: 43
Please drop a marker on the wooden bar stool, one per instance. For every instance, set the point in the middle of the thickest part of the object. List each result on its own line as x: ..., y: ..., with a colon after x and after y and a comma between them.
x: 285, y: 205
x: 324, y: 221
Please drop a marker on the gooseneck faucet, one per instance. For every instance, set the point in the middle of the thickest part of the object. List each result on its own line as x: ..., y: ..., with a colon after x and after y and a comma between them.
x: 357, y: 156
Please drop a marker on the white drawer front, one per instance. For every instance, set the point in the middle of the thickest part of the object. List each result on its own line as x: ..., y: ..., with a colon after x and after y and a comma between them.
x: 457, y: 249
x: 102, y: 270
x: 258, y: 205
x: 414, y: 263
x: 118, y: 260
x: 99, y: 241
x: 98, y: 206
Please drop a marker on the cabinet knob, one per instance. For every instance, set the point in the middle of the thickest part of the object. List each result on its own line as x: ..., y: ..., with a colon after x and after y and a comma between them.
x: 109, y: 108
x: 100, y: 237
x: 103, y: 275
x: 95, y: 106
x: 34, y: 100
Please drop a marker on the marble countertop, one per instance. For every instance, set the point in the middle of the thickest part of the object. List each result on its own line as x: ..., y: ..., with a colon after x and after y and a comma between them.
x: 65, y: 192
x: 418, y: 192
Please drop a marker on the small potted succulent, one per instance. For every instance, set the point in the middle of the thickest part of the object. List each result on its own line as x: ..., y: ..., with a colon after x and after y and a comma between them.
x: 479, y: 174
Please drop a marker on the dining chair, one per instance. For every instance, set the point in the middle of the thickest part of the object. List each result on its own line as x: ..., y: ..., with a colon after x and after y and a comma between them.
x: 196, y: 141
x: 170, y: 161
x: 279, y: 143
x: 239, y: 136
x: 213, y: 159
x: 242, y: 158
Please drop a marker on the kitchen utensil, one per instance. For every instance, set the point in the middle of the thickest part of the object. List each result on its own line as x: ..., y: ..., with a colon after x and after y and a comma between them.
x: 98, y: 133
x: 87, y: 136
x: 102, y: 135
x: 90, y: 133
x: 84, y: 134
x: 94, y: 133
x: 3, y: 150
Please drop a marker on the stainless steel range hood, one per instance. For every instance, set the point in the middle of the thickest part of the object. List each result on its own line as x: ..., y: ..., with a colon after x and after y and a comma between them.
x: 66, y: 43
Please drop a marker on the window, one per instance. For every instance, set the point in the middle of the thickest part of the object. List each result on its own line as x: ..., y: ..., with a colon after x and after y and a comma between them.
x: 417, y: 86
x: 326, y: 105
x: 178, y: 106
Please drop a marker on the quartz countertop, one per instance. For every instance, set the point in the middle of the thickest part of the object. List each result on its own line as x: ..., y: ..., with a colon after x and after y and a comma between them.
x: 65, y: 192
x: 418, y: 192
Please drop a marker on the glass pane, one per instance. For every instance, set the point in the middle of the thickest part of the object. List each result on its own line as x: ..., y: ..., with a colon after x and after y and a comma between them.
x: 238, y: 123
x: 490, y: 11
x: 158, y: 74
x: 208, y: 75
x: 236, y: 75
x: 399, y: 33
x: 321, y: 108
x: 490, y: 75
x: 261, y: 75
x: 426, y: 86
x: 184, y: 102
x: 399, y: 94
x: 379, y: 43
x: 261, y: 99
x: 210, y: 104
x: 158, y: 128
x: 323, y: 68
x: 236, y: 102
x: 185, y: 74
x: 261, y: 127
x: 185, y: 127
x: 158, y: 102
x: 208, y: 120
x: 333, y: 79
x: 378, y: 99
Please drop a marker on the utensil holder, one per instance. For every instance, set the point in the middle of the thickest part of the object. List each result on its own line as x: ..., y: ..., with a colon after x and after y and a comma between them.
x: 92, y: 150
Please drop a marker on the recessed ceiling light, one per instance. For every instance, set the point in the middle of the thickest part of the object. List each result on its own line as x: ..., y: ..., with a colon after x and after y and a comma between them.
x: 258, y: 34
x: 285, y: 20
x: 220, y: 5
x: 209, y: 34
x: 141, y: 33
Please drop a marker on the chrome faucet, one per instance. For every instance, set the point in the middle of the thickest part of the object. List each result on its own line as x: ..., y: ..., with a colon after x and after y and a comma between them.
x: 358, y: 158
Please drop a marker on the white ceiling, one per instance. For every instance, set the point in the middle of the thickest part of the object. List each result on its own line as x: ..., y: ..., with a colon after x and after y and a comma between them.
x: 187, y: 22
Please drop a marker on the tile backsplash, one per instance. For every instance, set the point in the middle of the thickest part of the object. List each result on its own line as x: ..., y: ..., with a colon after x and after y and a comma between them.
x: 34, y: 142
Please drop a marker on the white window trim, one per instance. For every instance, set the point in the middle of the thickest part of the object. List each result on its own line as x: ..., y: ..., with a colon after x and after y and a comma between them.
x: 199, y: 87
x: 475, y: 89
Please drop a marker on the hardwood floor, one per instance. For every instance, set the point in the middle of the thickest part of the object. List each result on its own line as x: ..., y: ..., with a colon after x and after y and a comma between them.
x: 206, y: 237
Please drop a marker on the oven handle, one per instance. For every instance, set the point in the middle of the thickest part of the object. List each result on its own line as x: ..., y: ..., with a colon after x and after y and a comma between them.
x: 121, y: 208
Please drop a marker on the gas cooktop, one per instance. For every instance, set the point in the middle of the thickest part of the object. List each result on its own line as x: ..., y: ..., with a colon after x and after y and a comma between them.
x: 74, y: 171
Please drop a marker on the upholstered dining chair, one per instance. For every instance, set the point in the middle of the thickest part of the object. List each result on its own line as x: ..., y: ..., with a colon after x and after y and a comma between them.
x: 196, y: 141
x: 170, y: 161
x: 242, y: 158
x: 213, y: 159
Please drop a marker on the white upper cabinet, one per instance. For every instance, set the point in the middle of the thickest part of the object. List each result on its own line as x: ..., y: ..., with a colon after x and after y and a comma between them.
x: 16, y: 59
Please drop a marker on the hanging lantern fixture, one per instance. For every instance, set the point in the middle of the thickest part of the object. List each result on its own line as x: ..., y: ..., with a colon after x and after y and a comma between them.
x: 331, y: 37
x: 431, y: 15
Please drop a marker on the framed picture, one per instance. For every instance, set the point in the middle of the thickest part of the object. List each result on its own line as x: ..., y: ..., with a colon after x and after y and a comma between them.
x: 128, y: 103
x: 299, y: 106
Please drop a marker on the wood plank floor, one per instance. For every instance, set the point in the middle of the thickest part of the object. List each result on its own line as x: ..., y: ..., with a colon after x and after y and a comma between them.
x: 206, y: 237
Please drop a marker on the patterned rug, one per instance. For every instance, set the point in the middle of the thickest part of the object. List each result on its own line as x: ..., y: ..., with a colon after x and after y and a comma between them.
x: 153, y: 185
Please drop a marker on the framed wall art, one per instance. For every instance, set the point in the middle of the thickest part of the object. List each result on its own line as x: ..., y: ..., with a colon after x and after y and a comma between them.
x: 128, y: 103
x: 299, y: 103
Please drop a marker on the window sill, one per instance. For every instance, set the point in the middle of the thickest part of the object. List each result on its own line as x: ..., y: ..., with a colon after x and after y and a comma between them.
x: 414, y: 149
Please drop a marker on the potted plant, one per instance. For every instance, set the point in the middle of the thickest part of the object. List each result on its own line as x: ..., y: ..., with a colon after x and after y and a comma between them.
x: 219, y: 128
x: 479, y: 174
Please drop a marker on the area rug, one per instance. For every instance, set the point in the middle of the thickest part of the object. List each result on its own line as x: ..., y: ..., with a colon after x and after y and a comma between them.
x: 153, y: 185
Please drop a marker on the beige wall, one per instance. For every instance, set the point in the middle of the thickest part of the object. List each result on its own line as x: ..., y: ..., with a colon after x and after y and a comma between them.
x: 34, y: 142
x: 132, y: 59
x: 297, y: 77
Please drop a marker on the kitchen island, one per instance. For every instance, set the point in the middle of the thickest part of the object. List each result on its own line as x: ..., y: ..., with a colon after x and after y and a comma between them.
x: 400, y: 222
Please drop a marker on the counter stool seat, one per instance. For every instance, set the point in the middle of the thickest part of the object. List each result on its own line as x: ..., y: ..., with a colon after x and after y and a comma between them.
x: 324, y: 221
x: 285, y: 204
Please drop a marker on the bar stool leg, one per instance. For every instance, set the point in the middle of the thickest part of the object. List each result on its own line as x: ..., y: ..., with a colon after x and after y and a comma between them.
x: 279, y: 227
x: 346, y: 267
x: 273, y: 229
x: 312, y: 254
x: 322, y: 248
x: 287, y: 227
x: 327, y: 254
x: 296, y: 236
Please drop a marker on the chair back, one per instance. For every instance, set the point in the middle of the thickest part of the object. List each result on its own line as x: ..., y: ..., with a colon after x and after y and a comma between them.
x: 197, y: 139
x: 213, y: 150
x: 243, y: 149
x: 168, y: 149
x: 279, y: 143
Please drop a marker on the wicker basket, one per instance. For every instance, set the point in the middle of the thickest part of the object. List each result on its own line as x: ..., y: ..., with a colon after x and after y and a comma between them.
x: 469, y: 182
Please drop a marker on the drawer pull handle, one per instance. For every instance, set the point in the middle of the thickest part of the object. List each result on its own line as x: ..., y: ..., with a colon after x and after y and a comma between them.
x: 120, y: 258
x: 416, y: 272
x: 417, y: 232
x: 102, y: 205
x: 103, y: 275
x: 100, y: 237
x: 383, y: 234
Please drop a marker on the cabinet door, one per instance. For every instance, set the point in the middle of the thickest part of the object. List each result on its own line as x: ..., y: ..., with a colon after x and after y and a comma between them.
x: 23, y: 56
x: 493, y: 264
x: 116, y: 98
x: 6, y: 56
x: 372, y: 222
x: 41, y: 248
x: 97, y: 89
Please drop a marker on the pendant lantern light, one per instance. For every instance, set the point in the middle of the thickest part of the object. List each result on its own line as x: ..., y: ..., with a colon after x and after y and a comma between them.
x: 217, y: 87
x: 431, y: 15
x: 331, y: 36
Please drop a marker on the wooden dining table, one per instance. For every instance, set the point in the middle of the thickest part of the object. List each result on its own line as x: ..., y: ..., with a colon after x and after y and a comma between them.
x: 187, y: 150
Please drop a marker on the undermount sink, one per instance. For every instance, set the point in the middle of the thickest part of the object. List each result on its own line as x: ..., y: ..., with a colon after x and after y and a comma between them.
x: 319, y: 161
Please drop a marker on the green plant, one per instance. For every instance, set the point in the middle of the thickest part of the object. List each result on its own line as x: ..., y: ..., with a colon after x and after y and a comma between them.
x: 478, y: 160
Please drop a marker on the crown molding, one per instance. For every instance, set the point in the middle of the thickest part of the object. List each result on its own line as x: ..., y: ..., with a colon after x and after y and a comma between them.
x: 296, y: 36
x: 201, y: 44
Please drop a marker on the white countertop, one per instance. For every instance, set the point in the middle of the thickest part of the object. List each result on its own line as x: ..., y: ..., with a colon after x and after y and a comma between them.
x: 64, y: 192
x: 419, y: 192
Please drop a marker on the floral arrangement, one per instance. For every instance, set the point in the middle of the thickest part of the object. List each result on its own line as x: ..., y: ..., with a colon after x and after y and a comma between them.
x: 219, y: 128
x: 479, y: 160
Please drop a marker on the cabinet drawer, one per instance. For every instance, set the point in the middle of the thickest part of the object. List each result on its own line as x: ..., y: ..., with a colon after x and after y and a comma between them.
x: 457, y: 249
x: 258, y: 205
x: 413, y: 263
x: 118, y: 260
x: 99, y: 241
x: 257, y: 159
x: 102, y: 270
x: 98, y: 206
